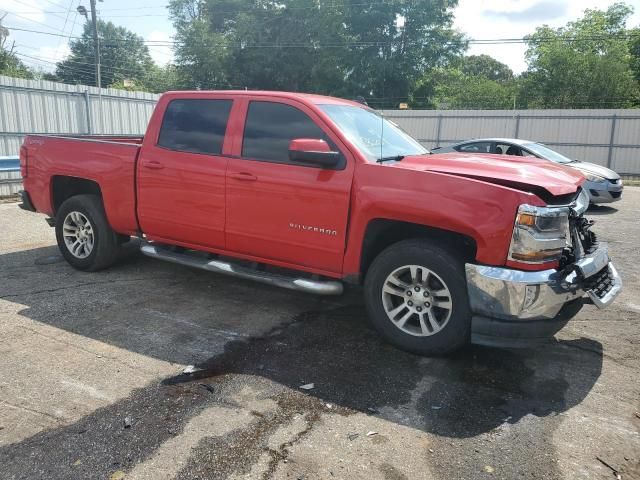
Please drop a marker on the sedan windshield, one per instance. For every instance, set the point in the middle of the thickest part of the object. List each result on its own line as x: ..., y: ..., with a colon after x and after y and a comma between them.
x: 545, y: 152
x: 376, y: 137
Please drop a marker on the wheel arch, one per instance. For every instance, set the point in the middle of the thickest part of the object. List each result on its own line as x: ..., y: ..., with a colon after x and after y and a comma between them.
x: 382, y: 233
x: 64, y: 187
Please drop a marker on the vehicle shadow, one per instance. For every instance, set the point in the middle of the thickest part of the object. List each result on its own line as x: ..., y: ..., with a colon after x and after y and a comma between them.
x: 473, y: 390
x: 328, y: 343
x: 595, y: 209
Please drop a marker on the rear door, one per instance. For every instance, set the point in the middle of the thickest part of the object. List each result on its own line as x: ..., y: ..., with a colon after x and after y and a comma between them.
x: 181, y: 173
x: 283, y: 211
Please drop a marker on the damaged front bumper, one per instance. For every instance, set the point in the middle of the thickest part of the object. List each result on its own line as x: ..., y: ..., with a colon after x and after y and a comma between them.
x: 513, y: 307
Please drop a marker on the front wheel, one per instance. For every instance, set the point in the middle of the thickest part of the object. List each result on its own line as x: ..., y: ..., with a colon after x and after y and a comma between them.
x: 83, y: 233
x: 416, y: 296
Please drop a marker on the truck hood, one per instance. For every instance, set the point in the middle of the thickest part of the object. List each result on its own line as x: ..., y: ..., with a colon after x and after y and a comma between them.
x: 587, y: 167
x: 524, y: 173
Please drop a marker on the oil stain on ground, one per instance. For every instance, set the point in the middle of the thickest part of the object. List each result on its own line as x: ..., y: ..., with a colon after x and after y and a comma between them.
x: 474, y: 404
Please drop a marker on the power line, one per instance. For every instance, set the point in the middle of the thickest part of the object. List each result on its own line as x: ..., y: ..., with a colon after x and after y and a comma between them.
x: 73, y: 25
x: 33, y: 21
x: 257, y: 10
x: 36, y: 11
x: 153, y: 42
x: 147, y: 7
x: 74, y: 63
x: 54, y: 4
x: 489, y: 41
x: 65, y: 25
x: 42, y: 63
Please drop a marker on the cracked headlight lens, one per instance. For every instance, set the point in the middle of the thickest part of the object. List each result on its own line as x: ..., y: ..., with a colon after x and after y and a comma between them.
x: 540, y: 234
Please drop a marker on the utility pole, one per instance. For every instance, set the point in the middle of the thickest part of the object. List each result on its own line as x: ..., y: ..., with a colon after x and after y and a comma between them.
x: 96, y: 42
x: 96, y: 47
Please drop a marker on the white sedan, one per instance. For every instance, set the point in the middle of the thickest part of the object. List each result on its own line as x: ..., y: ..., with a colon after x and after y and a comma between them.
x: 603, y: 184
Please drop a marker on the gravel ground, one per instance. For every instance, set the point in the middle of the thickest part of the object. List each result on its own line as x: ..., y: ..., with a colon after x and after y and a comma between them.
x: 91, y: 382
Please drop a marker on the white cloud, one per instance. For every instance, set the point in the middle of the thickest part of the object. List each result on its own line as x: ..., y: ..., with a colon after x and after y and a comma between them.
x: 490, y: 19
x: 54, y: 54
x: 27, y: 11
x: 161, y: 54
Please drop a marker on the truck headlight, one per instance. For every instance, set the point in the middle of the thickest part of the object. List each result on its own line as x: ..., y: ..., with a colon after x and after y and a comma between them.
x: 540, y: 234
x: 592, y: 177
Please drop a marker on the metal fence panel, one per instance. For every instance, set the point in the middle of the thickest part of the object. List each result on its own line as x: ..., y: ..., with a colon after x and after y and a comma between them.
x: 566, y: 130
x: 39, y: 106
x: 626, y: 160
x: 607, y: 137
x: 627, y: 130
x: 10, y: 179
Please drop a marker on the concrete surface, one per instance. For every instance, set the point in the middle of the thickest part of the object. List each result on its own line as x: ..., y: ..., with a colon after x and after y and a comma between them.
x: 91, y: 382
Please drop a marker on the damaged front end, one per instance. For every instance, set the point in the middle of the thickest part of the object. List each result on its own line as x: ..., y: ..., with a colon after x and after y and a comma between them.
x: 512, y: 306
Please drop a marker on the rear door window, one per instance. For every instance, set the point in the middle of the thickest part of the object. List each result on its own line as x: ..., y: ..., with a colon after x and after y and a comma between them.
x: 195, y: 125
x: 478, y: 147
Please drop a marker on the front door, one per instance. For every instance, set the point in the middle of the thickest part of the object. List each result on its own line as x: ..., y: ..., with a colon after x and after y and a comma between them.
x: 282, y: 211
x: 181, y: 177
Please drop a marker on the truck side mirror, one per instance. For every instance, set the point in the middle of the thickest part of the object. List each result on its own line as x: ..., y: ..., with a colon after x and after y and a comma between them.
x: 313, y: 151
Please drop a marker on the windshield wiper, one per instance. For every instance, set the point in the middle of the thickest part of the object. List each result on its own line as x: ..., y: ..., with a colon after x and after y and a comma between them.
x: 396, y: 158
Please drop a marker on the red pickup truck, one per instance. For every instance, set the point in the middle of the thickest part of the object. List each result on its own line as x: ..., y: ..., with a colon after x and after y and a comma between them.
x: 309, y: 192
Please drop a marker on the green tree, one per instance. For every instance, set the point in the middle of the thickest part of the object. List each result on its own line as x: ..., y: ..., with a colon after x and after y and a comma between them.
x: 156, y: 80
x: 10, y: 64
x: 376, y: 50
x: 634, y: 50
x: 401, y: 42
x: 487, y: 67
x: 123, y: 55
x: 452, y: 88
x: 585, y: 64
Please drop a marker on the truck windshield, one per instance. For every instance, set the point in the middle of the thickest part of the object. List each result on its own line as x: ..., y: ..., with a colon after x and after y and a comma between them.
x: 376, y: 137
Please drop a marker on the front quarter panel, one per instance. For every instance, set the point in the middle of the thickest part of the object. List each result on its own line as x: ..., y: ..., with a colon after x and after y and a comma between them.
x: 480, y: 210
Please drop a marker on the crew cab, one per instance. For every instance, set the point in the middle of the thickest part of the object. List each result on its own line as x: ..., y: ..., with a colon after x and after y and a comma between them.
x: 310, y: 192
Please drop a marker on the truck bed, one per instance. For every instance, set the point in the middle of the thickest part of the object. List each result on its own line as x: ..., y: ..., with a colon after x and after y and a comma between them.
x: 108, y: 160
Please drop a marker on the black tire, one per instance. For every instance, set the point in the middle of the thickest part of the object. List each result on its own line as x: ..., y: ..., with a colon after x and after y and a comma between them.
x: 105, y: 241
x: 455, y: 333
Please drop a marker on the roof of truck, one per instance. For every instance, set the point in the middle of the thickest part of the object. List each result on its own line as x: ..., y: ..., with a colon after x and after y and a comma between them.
x: 305, y: 97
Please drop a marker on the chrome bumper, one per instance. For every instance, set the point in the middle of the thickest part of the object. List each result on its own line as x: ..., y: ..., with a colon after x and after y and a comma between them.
x: 507, y: 294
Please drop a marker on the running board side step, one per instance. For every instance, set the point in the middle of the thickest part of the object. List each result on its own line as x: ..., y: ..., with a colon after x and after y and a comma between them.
x: 319, y: 287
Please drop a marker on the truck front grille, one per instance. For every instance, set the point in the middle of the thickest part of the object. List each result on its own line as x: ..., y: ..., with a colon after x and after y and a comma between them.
x: 600, y: 283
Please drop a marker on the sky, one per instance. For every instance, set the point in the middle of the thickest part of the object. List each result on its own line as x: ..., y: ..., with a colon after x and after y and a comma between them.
x: 479, y: 19
x: 484, y: 19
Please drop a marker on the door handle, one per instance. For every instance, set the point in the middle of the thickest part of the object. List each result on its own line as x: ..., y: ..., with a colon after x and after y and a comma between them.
x: 247, y: 177
x: 152, y: 164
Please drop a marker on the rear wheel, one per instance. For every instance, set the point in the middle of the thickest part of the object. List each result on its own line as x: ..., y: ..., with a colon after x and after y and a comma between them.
x: 416, y: 297
x: 84, y: 236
